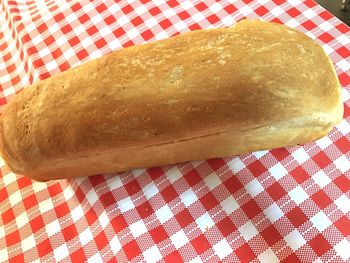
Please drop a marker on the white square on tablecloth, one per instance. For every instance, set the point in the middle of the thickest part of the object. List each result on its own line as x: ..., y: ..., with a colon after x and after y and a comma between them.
x: 343, y: 249
x: 91, y: 196
x: 326, y: 26
x: 344, y: 65
x: 88, y: 7
x: 295, y: 240
x: 28, y: 243
x: 298, y: 195
x: 9, y: 178
x: 320, y: 221
x: 309, y: 13
x: 95, y: 54
x: 97, y: 19
x: 85, y: 236
x: 345, y: 93
x: 180, y: 26
x: 30, y: 26
x: 222, y: 249
x: 169, y: 13
x: 327, y: 48
x: 344, y: 127
x: 236, y: 165
x: 186, y: 4
x: 245, y: 10
x: 2, y: 162
x: 278, y: 171
x: 114, y: 45
x: 173, y: 174
x: 38, y: 186
x: 293, y: 23
x: 105, y: 31
x: 61, y: 252
x: 343, y: 203
x: 86, y: 42
x: 179, y: 239
x: 205, y: 222
x: 123, y: 20
x: 151, y: 22
x: 69, y: 53
x: 164, y: 214
x: 268, y: 256
x: 228, y: 20
x: 300, y: 155
x: 52, y: 28
x: 152, y: 254
x: 103, y: 219
x: 77, y: 213
x: 51, y: 65
x: 198, y: 17
x: 188, y: 197
x: 212, y: 181
x: 321, y: 179
x: 45, y: 205
x: 68, y: 193
x: 114, y: 183
x: 53, y: 228
x: 343, y: 39
x: 229, y: 205
x: 324, y: 142
x: 259, y: 154
x: 22, y: 220
x: 140, y: 10
x: 125, y: 204
x: 9, y: 91
x: 150, y: 190
x: 162, y: 35
x: 113, y: 8
x: 254, y: 188
x: 71, y: 18
x: 37, y: 40
x: 248, y: 231
x: 215, y: 7
x: 96, y: 258
x: 196, y: 260
x: 4, y: 254
x: 15, y: 198
x: 115, y: 245
x: 273, y: 212
x: 2, y: 232
x: 138, y: 228
x: 342, y: 163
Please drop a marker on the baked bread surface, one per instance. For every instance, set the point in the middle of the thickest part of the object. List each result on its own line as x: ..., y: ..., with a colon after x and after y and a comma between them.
x: 199, y: 95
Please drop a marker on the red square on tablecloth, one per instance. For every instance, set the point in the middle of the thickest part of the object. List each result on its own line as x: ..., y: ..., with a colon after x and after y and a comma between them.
x: 200, y: 244
x: 132, y: 249
x: 271, y: 235
x: 158, y: 234
x: 297, y: 216
x: 320, y: 245
x: 226, y: 226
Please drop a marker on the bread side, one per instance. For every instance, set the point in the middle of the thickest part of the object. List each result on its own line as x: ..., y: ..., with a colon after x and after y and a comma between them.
x: 203, y: 94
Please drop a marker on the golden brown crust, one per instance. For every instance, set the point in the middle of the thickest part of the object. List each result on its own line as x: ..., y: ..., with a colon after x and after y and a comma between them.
x: 194, y: 96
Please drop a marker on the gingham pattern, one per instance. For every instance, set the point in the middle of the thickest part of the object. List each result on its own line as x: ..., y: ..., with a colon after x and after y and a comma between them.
x: 288, y: 205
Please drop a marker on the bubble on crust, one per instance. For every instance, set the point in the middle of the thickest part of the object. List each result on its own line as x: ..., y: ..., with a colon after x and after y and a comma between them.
x: 175, y: 74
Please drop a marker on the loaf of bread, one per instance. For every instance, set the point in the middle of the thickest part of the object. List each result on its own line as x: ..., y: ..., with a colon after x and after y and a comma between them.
x: 199, y: 95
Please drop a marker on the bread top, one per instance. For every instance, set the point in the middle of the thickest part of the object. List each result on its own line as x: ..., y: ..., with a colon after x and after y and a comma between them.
x: 199, y: 83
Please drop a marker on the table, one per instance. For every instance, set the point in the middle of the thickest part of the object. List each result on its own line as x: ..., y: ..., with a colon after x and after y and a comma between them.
x: 288, y: 205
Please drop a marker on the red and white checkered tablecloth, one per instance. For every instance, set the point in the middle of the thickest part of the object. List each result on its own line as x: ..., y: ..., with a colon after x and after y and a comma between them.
x: 288, y: 205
